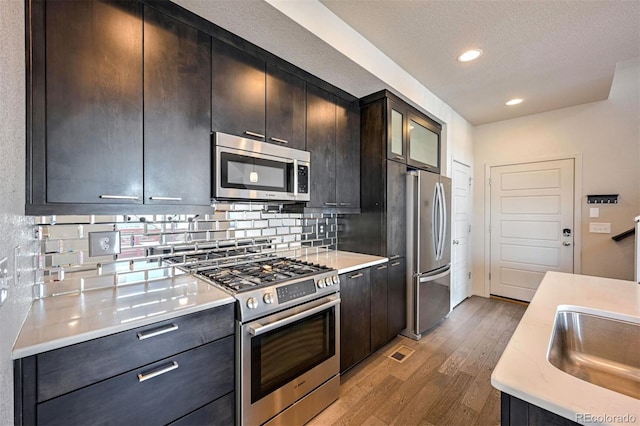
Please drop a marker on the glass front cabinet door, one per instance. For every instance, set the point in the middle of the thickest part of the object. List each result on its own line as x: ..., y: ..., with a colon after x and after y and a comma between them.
x: 423, y: 144
x: 396, y: 145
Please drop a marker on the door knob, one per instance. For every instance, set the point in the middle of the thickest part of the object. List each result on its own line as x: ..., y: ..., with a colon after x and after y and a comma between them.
x: 566, y: 243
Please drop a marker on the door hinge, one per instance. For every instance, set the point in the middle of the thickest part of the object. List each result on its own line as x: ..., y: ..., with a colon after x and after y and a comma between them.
x: 489, y: 276
x: 470, y: 178
x: 489, y: 228
x: 469, y: 230
x: 489, y: 181
x: 469, y: 275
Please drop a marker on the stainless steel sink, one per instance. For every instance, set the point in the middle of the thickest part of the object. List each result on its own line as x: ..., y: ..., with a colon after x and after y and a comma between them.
x: 597, y: 349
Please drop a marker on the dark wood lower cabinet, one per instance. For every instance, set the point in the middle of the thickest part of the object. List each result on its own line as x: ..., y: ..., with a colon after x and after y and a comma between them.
x: 188, y: 378
x: 355, y: 318
x: 372, y: 310
x: 516, y: 412
x: 219, y: 412
x: 396, y: 298
x: 379, y: 306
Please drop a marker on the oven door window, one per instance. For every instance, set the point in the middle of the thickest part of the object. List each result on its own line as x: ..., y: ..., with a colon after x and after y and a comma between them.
x: 244, y: 172
x: 279, y: 356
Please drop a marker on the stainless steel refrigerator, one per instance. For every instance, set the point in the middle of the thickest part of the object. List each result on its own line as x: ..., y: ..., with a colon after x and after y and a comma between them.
x: 428, y: 251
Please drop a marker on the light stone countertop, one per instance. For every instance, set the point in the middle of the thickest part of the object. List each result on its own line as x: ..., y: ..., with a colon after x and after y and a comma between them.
x: 524, y: 371
x: 344, y: 261
x: 59, y: 321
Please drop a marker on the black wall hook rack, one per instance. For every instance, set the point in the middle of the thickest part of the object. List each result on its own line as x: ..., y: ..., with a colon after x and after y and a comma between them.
x: 602, y: 199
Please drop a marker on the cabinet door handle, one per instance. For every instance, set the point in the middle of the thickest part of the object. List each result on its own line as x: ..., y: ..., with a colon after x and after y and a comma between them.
x: 254, y: 134
x: 166, y: 198
x: 330, y: 204
x: 395, y: 263
x: 345, y: 204
x: 398, y: 157
x: 119, y: 197
x: 159, y: 372
x: 382, y: 267
x: 395, y: 256
x: 358, y: 275
x: 278, y: 140
x: 156, y: 332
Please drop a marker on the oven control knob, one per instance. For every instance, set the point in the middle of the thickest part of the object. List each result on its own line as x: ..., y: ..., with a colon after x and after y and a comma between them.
x: 268, y: 298
x: 336, y: 280
x: 321, y: 283
x: 252, y: 303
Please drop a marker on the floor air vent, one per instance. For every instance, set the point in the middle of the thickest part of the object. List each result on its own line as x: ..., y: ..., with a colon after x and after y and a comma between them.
x: 401, y: 353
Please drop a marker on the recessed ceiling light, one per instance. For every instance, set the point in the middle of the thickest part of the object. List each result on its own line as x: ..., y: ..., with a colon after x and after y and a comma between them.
x: 470, y: 55
x: 514, y: 102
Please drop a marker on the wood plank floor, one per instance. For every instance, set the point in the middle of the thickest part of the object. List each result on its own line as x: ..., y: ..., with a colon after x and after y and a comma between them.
x: 446, y: 381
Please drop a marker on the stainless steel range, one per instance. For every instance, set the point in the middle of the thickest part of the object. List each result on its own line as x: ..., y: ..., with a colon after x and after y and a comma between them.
x: 288, y: 336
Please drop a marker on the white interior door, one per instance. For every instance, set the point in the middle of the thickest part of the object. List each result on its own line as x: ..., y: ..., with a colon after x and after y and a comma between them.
x: 532, y: 226
x: 460, y: 229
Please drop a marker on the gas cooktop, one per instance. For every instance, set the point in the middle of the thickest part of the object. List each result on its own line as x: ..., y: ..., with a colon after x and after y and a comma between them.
x: 261, y: 283
x: 260, y: 273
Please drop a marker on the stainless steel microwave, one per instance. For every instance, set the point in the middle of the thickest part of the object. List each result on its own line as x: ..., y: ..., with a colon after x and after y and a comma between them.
x: 252, y: 170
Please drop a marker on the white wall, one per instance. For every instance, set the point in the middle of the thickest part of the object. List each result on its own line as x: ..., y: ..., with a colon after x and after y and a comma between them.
x: 324, y: 24
x: 14, y: 226
x: 607, y: 135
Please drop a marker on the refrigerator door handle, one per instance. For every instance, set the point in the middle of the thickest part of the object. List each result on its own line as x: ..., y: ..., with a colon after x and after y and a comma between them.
x: 435, y: 275
x: 443, y: 221
x: 435, y: 222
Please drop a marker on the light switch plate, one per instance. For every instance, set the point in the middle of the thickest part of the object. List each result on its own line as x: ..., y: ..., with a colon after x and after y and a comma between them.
x: 594, y: 212
x: 104, y: 243
x: 600, y: 228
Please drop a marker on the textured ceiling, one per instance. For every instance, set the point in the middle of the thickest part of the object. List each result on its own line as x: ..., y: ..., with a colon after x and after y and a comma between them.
x: 552, y: 53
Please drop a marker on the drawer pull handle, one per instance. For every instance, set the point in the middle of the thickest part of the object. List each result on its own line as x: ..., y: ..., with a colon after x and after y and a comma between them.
x: 330, y: 204
x: 398, y: 157
x: 279, y: 140
x: 395, y: 263
x: 395, y: 256
x: 345, y: 204
x: 356, y: 275
x: 157, y: 332
x: 119, y: 197
x: 254, y: 134
x: 158, y: 372
x: 382, y: 267
x: 166, y: 198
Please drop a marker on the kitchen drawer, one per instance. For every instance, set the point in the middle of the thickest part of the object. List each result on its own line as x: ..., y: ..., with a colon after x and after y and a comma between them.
x: 198, y: 376
x: 219, y: 412
x: 66, y: 369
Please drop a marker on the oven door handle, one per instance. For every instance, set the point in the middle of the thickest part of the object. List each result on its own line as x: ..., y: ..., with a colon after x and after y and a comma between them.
x: 259, y: 329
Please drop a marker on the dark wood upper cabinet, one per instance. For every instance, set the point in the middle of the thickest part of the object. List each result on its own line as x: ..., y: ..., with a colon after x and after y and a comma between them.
x: 348, y: 154
x: 238, y: 92
x: 177, y: 111
x: 396, y: 131
x: 88, y: 145
x: 395, y: 221
x: 321, y: 142
x: 286, y: 108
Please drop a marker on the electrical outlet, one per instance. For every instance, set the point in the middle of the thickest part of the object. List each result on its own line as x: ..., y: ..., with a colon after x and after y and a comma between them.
x: 600, y: 228
x: 104, y: 243
x: 320, y: 229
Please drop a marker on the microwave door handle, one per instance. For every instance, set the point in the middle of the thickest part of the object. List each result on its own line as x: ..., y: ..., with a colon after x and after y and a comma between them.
x: 295, y: 178
x: 258, y: 329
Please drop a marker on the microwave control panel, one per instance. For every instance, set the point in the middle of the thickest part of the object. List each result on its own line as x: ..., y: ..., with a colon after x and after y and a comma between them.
x: 303, y: 179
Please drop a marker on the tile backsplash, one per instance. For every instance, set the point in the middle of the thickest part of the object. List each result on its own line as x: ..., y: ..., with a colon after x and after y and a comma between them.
x: 233, y: 230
